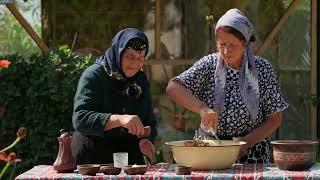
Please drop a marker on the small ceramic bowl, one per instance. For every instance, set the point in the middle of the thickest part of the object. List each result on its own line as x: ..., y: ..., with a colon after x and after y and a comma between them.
x: 109, y: 164
x: 110, y: 170
x: 135, y: 169
x: 88, y: 169
x: 294, y: 155
x: 182, y: 170
x: 103, y: 165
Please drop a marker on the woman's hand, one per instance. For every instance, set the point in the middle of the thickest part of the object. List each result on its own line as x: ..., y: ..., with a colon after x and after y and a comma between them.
x: 269, y: 125
x: 148, y: 150
x: 131, y: 122
x: 209, y: 118
x: 243, y: 148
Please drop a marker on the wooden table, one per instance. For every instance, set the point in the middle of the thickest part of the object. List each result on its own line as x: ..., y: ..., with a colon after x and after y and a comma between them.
x: 166, y: 172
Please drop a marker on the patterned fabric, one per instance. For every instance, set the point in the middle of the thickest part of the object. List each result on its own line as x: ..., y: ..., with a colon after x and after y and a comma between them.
x: 166, y: 172
x: 236, y: 19
x: 235, y: 120
x: 248, y: 78
x: 137, y: 44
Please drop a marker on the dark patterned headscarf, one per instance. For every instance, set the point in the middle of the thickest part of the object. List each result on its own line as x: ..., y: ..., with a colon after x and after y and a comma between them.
x: 248, y: 78
x: 111, y: 60
x: 125, y: 38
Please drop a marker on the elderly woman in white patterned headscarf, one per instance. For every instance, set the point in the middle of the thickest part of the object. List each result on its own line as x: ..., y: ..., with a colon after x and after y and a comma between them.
x: 233, y: 91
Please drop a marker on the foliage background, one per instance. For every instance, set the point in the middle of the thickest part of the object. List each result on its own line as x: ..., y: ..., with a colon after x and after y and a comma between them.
x: 37, y: 93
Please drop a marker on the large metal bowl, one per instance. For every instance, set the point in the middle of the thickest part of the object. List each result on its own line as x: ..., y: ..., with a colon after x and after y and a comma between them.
x: 212, y: 157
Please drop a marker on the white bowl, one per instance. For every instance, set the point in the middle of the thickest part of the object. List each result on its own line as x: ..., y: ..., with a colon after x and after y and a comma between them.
x: 212, y: 157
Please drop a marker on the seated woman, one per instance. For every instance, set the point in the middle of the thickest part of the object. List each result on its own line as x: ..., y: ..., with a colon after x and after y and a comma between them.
x: 234, y: 91
x: 112, y: 104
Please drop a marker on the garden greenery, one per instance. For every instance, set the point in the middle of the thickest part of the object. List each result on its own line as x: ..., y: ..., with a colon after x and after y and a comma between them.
x: 37, y: 93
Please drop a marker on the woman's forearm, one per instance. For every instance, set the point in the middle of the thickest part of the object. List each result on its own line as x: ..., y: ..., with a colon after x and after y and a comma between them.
x: 270, y: 125
x: 182, y: 96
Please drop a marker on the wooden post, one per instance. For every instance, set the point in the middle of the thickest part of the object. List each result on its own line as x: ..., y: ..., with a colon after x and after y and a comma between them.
x: 157, y: 29
x: 158, y: 36
x: 27, y: 27
x: 313, y: 124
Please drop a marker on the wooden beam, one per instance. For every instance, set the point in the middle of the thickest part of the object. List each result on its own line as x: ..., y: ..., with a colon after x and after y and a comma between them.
x: 158, y: 36
x: 157, y: 29
x: 175, y: 62
x: 313, y: 124
x: 7, y: 1
x: 27, y: 27
x: 277, y: 27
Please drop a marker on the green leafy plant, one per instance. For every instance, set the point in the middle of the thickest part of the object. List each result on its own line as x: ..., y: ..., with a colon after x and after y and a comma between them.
x: 37, y: 93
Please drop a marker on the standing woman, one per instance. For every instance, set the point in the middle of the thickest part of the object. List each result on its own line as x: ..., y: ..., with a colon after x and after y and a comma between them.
x: 233, y: 91
x: 113, y: 103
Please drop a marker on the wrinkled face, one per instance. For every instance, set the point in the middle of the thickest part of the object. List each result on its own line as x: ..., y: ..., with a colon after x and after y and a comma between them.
x: 132, y: 61
x: 230, y: 48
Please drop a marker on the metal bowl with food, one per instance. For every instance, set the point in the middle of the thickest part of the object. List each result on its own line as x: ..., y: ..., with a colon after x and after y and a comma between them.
x: 205, y: 154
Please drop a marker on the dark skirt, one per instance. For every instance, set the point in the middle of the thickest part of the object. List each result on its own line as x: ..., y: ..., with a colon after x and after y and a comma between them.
x: 88, y: 149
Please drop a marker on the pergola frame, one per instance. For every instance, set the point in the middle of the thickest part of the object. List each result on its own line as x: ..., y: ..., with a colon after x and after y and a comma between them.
x: 158, y: 61
x: 24, y: 23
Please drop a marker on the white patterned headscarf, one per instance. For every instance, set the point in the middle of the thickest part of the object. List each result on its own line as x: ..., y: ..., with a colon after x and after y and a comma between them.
x: 248, y: 78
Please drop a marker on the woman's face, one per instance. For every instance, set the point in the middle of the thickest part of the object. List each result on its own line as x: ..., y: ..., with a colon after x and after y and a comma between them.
x: 230, y: 48
x: 132, y: 61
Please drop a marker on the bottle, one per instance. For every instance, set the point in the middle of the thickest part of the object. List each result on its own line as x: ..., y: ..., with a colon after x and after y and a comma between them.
x: 64, y: 161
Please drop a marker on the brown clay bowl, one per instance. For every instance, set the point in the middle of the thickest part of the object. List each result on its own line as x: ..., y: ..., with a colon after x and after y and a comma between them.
x: 103, y: 165
x: 135, y: 169
x: 182, y: 170
x: 294, y: 155
x: 88, y: 169
x: 110, y: 170
x: 109, y: 164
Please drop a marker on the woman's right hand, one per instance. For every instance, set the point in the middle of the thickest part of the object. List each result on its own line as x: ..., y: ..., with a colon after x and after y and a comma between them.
x: 132, y: 123
x: 209, y: 118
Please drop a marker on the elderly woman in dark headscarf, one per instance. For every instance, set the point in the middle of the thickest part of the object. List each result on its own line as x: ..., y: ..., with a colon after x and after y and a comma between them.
x: 234, y: 91
x: 112, y: 104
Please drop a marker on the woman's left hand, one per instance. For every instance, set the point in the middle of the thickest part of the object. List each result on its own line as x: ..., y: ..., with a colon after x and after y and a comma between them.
x: 243, y: 148
x: 147, y: 149
x: 243, y: 151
